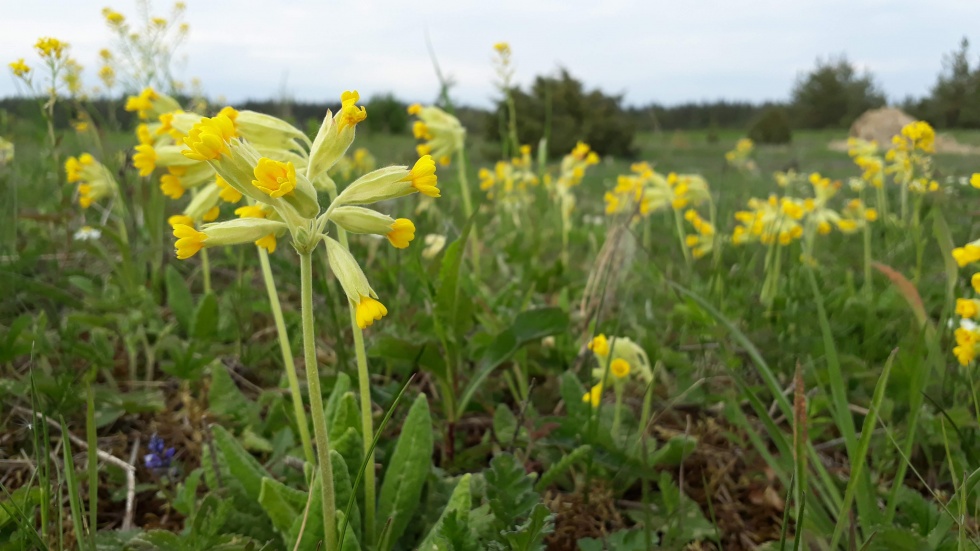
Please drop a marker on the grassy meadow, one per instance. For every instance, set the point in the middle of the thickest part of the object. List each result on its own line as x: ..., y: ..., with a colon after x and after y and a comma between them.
x: 220, y: 332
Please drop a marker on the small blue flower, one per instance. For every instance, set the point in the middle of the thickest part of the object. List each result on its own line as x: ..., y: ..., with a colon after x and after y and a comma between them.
x: 159, y: 457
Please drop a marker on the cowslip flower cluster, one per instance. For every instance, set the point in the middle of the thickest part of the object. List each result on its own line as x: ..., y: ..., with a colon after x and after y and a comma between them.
x: 740, y: 158
x: 162, y: 147
x: 619, y: 359
x: 571, y: 171
x: 769, y: 221
x: 867, y: 157
x: 702, y: 241
x: 146, y: 48
x: 441, y: 134
x: 510, y: 182
x: 286, y: 195
x: 645, y: 191
x: 94, y: 180
x: 910, y: 158
x: 61, y: 75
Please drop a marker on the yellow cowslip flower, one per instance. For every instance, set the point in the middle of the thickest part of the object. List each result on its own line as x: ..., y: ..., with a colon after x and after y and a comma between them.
x: 145, y: 159
x: 443, y: 135
x: 402, y: 233
x: 180, y: 219
x: 502, y: 48
x: 159, y: 21
x: 212, y: 214
x: 73, y: 170
x: 231, y: 232
x: 967, y: 308
x: 95, y: 180
x: 275, y: 178
x: 170, y: 183
x: 143, y: 134
x: 208, y: 139
x: 580, y: 150
x: 620, y: 368
x: 20, y: 68
x: 919, y: 135
x: 414, y: 109
x: 48, y: 47
x: 599, y: 345
x: 251, y: 211
x: 975, y: 282
x: 975, y: 180
x: 112, y: 17
x: 967, y: 254
x: 593, y: 396
x: 189, y: 241
x: 871, y: 214
x: 368, y: 311
x: 268, y: 243
x: 423, y: 176
x: 228, y: 194
x: 350, y: 114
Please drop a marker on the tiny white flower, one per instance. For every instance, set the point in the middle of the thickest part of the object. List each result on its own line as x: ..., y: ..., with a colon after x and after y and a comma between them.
x: 87, y: 233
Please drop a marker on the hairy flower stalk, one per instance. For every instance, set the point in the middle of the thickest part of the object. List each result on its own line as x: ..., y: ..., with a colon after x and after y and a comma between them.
x: 287, y: 356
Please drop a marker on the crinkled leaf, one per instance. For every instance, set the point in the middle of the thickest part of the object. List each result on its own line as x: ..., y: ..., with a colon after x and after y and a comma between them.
x: 407, y: 470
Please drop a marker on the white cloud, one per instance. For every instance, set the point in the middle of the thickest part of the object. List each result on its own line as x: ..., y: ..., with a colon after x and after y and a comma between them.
x: 651, y: 50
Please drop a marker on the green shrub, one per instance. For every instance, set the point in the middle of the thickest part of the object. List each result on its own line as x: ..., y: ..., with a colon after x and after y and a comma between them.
x: 771, y: 127
x: 576, y: 115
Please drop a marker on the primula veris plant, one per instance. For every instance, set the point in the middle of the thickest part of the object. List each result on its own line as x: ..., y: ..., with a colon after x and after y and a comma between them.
x: 290, y: 207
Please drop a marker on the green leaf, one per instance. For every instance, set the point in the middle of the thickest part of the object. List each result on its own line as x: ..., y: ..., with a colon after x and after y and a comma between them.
x: 156, y: 540
x: 448, y: 289
x: 345, y: 416
x: 313, y: 532
x: 529, y: 535
x: 407, y: 471
x: 509, y: 490
x: 458, y: 506
x: 340, y: 387
x: 16, y: 506
x: 282, y: 503
x: 528, y: 326
x: 504, y: 424
x: 350, y: 446
x: 243, y: 467
x: 179, y: 298
x: 186, y: 499
x: 206, y: 318
x: 571, y: 391
x: 227, y: 401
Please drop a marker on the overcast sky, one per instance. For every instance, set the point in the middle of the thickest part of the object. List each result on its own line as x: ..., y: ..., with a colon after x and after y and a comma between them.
x: 668, y: 52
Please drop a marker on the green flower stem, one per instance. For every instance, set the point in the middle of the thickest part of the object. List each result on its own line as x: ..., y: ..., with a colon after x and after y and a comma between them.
x: 287, y: 357
x: 316, y: 406
x: 464, y: 184
x: 367, y: 422
x: 617, y: 410
x: 206, y: 270
x: 680, y: 236
x: 93, y: 459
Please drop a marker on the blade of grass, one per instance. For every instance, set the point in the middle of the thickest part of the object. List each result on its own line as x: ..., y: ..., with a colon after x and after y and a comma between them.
x: 360, y: 472
x: 857, y: 464
x: 74, y: 499
x: 840, y: 410
x: 828, y: 490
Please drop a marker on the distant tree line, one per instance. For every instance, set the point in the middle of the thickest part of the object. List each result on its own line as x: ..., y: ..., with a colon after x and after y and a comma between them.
x: 831, y: 95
